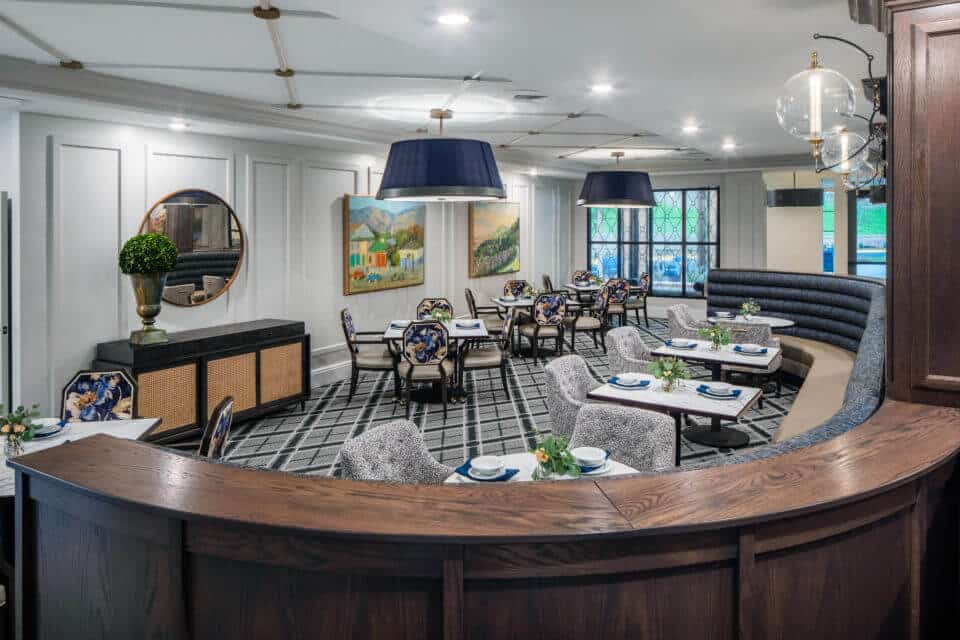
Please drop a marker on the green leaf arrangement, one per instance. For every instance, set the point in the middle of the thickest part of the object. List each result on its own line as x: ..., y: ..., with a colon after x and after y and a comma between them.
x: 750, y: 307
x: 554, y: 457
x: 718, y: 336
x: 440, y: 315
x: 670, y: 370
x: 18, y: 425
x: 148, y: 253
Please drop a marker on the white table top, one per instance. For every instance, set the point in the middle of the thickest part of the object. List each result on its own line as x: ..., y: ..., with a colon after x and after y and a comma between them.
x: 772, y: 321
x: 508, y: 304
x: 527, y: 463
x: 126, y: 429
x: 454, y: 331
x: 683, y: 399
x: 726, y: 355
x: 583, y: 287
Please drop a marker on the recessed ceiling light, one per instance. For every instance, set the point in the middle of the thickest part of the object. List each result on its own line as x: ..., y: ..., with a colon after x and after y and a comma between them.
x: 601, y: 88
x: 729, y: 145
x: 179, y: 125
x: 691, y: 129
x: 533, y: 172
x: 453, y: 19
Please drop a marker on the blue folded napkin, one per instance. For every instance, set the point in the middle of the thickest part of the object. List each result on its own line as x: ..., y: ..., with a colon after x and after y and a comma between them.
x: 706, y: 390
x: 506, y: 475
x: 399, y: 325
x: 740, y: 350
x: 692, y: 345
x: 640, y: 384
x: 584, y: 469
x: 468, y: 324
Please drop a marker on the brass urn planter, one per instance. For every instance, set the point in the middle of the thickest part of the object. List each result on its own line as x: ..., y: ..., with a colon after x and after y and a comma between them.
x: 148, y: 290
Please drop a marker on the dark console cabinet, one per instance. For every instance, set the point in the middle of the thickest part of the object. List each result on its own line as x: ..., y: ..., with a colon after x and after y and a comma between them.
x: 263, y: 364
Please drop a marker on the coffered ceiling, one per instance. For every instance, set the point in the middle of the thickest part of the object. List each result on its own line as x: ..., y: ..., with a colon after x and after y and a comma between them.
x: 372, y: 69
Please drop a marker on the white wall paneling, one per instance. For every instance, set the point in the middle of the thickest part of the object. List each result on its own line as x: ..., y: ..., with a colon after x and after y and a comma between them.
x: 267, y: 261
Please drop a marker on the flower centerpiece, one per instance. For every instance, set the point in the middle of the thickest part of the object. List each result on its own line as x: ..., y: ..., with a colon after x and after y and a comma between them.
x: 671, y: 371
x: 17, y: 428
x: 718, y: 336
x: 441, y: 315
x: 147, y: 259
x: 554, y: 458
x: 595, y: 279
x: 749, y: 308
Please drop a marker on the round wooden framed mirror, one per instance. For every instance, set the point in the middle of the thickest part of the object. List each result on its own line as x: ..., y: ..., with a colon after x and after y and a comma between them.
x: 209, y: 240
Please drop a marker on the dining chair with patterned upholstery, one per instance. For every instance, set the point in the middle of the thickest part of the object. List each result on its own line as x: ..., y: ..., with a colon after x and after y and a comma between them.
x: 489, y: 354
x: 548, y: 284
x: 568, y: 381
x: 428, y: 305
x: 627, y: 351
x: 377, y: 359
x: 591, y: 319
x: 515, y: 287
x: 213, y: 444
x: 391, y: 452
x: 549, y: 310
x: 637, y: 299
x: 683, y: 324
x: 644, y: 440
x: 426, y: 358
x: 755, y: 333
x: 96, y: 396
x: 619, y: 290
x: 492, y: 316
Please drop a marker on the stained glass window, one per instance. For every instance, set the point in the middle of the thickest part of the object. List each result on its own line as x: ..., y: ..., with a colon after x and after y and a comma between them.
x: 676, y: 241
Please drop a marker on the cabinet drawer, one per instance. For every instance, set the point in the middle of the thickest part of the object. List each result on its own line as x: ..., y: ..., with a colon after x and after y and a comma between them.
x: 169, y: 394
x: 281, y: 372
x: 232, y: 376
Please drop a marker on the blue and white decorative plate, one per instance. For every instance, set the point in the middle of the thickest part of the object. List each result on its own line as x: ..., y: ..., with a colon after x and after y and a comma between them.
x: 707, y: 392
x: 50, y: 429
x: 692, y: 345
x: 639, y: 384
x: 399, y: 324
x: 740, y: 350
x: 467, y: 324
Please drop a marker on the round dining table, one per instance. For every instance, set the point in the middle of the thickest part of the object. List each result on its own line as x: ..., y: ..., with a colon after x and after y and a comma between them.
x: 772, y: 321
x: 527, y: 463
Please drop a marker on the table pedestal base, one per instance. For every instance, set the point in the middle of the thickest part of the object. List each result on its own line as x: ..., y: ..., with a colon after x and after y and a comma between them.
x: 719, y: 437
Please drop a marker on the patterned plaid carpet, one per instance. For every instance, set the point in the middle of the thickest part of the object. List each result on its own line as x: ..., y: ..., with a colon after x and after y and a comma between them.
x: 486, y: 423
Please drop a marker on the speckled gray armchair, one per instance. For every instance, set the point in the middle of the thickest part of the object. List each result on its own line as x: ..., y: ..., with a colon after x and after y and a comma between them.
x: 644, y: 440
x: 568, y: 382
x: 392, y: 452
x: 627, y: 351
x: 683, y: 324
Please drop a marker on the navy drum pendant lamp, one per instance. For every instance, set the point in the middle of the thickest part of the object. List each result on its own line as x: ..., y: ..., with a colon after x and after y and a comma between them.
x: 617, y: 188
x: 447, y: 169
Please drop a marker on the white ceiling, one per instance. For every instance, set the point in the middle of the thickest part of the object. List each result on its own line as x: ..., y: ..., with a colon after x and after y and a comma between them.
x: 717, y: 62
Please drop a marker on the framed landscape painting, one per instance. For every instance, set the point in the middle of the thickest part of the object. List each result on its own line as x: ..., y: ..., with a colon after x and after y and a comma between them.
x: 382, y: 244
x: 494, y: 238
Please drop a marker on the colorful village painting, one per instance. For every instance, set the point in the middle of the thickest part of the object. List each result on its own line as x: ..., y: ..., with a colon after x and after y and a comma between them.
x: 382, y: 244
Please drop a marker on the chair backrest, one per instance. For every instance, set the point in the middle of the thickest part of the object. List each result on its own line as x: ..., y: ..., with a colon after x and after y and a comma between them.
x: 471, y: 302
x: 624, y: 344
x: 601, y: 301
x: 179, y: 293
x: 425, y: 342
x: 212, y: 285
x: 514, y: 287
x: 548, y: 283
x: 391, y: 452
x: 638, y: 438
x: 549, y: 309
x: 748, y: 332
x: 428, y: 305
x: 581, y: 276
x: 95, y: 396
x: 642, y: 287
x: 217, y: 431
x: 680, y: 315
x: 619, y: 290
x: 568, y: 380
x: 349, y: 329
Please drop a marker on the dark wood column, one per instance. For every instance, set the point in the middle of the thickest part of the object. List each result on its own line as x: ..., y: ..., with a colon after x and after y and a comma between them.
x: 923, y: 351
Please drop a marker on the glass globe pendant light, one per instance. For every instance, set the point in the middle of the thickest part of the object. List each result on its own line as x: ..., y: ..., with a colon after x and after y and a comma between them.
x: 845, y: 152
x: 814, y: 103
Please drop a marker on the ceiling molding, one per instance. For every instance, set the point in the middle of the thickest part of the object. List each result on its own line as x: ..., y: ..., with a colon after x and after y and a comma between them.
x: 872, y: 12
x: 191, y: 6
x: 148, y: 97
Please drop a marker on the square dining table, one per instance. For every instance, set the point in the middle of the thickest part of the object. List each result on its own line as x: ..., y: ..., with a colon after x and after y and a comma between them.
x: 718, y: 435
x: 457, y: 329
x: 684, y: 400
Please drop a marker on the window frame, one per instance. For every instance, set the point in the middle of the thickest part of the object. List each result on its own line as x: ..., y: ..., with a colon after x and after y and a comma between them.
x: 649, y: 244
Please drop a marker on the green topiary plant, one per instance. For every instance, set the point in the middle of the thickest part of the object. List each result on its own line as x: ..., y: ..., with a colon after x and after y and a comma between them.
x: 148, y: 253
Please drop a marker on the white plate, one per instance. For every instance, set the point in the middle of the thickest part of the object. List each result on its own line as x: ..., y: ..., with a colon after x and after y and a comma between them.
x: 477, y: 476
x: 720, y: 398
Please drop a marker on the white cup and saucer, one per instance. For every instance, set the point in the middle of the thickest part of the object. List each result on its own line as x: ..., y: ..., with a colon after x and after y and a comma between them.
x: 592, y: 460
x: 486, y: 468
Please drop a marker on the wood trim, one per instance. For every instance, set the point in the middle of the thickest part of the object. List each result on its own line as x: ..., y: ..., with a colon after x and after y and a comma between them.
x: 453, y: 600
x: 25, y: 569
x: 746, y: 564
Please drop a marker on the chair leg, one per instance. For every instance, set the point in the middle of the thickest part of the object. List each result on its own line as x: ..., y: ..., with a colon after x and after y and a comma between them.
x: 443, y: 394
x: 646, y: 320
x: 396, y: 384
x: 503, y: 379
x: 603, y: 340
x: 535, y: 346
x: 636, y: 312
x: 573, y: 338
x: 408, y: 398
x: 559, y: 343
x: 354, y: 378
x: 593, y: 334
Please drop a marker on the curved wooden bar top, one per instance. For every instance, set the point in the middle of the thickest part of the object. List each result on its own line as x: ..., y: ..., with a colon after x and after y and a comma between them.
x: 170, y: 546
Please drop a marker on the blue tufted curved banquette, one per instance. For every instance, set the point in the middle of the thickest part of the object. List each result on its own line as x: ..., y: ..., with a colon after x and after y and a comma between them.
x: 845, y: 311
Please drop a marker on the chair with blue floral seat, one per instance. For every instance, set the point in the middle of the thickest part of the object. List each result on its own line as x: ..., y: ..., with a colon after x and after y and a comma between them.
x: 549, y: 310
x: 426, y: 358
x: 96, y: 396
x: 592, y: 320
x: 392, y: 452
x: 515, y: 287
x: 372, y: 359
x: 217, y: 432
x: 638, y: 298
x: 428, y: 305
x: 619, y: 291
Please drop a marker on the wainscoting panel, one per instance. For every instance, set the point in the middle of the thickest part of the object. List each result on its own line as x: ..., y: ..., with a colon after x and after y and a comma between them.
x: 268, y: 219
